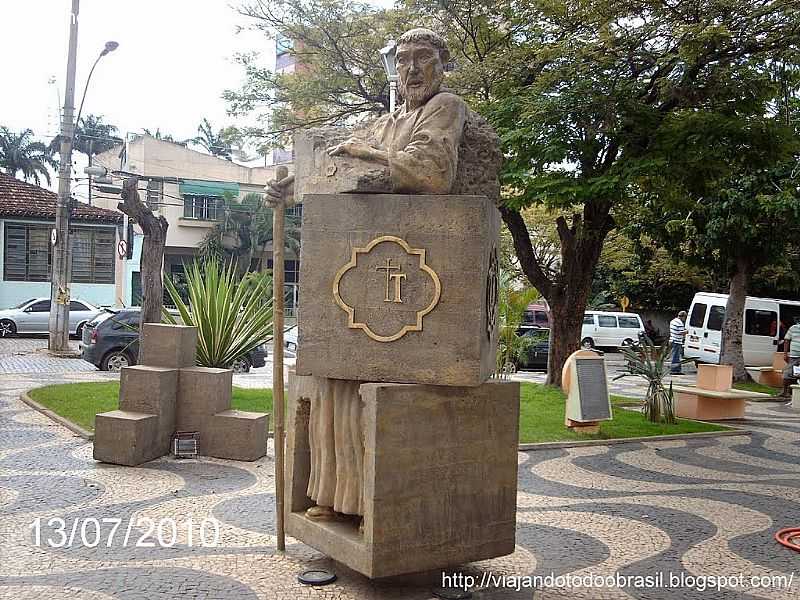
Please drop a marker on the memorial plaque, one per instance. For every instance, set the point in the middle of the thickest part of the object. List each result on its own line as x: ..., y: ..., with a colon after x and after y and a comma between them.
x: 593, y: 389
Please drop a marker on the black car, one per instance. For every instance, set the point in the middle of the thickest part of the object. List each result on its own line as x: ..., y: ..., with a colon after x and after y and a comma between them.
x: 111, y: 341
x: 536, y: 349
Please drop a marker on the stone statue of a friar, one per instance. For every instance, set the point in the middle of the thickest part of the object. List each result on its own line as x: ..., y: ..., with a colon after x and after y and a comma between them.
x: 433, y: 144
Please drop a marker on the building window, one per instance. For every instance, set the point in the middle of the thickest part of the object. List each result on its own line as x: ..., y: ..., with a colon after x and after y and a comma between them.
x: 295, y: 211
x: 206, y: 208
x: 283, y: 44
x: 28, y: 254
x: 93, y: 255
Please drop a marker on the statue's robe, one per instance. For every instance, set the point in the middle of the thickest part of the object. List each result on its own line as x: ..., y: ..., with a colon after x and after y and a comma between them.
x: 422, y: 146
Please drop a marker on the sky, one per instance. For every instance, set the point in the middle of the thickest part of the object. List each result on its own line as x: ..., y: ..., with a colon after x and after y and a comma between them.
x: 175, y: 58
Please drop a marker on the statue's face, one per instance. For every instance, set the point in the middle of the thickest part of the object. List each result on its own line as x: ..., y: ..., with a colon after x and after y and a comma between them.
x: 421, y: 72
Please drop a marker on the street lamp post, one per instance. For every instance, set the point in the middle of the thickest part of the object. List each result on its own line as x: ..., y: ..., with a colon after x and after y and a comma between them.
x: 58, y: 325
x: 389, y: 65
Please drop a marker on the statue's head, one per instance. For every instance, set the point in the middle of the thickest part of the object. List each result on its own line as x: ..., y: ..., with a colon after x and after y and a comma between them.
x: 421, y: 56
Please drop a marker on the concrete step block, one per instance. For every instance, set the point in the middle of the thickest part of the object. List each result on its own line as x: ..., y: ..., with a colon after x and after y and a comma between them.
x: 128, y: 438
x: 169, y: 346
x: 202, y: 393
x: 237, y: 435
x: 715, y: 377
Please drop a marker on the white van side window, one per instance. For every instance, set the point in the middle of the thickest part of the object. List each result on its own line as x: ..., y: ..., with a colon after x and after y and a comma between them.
x: 716, y: 317
x: 760, y: 322
x: 606, y: 321
x: 629, y: 322
x: 588, y: 319
x: 698, y: 315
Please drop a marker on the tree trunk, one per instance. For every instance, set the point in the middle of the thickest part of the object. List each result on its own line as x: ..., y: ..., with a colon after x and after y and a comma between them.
x: 731, y: 351
x: 152, y: 261
x: 568, y: 292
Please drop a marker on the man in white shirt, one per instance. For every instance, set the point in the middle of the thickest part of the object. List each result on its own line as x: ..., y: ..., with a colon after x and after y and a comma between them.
x: 791, y: 354
x: 677, y: 333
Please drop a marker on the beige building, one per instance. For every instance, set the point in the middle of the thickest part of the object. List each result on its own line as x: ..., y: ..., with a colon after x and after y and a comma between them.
x: 187, y: 188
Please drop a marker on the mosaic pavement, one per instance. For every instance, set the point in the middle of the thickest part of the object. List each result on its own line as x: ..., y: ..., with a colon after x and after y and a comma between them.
x: 679, y: 509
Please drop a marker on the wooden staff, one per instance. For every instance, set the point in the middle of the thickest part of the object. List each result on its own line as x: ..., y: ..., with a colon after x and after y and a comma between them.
x: 278, y: 216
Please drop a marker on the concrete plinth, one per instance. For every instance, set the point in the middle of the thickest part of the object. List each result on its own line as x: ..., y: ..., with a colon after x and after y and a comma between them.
x: 708, y: 408
x: 127, y: 438
x: 796, y: 397
x: 202, y: 393
x: 440, y: 477
x: 715, y: 377
x: 399, y: 288
x: 237, y: 435
x: 170, y: 346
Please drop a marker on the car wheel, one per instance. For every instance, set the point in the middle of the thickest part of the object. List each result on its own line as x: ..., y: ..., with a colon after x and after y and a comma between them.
x: 627, y: 342
x: 115, y: 361
x: 7, y: 328
x: 241, y: 366
x: 587, y: 343
x: 79, y: 330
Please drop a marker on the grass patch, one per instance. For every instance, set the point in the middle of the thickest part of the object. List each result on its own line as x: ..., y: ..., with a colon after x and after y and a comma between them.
x: 80, y: 402
x: 542, y: 419
x: 752, y: 386
x: 541, y: 411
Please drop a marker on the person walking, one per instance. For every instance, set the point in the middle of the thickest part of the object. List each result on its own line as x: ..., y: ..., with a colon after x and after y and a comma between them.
x: 677, y: 333
x: 791, y: 354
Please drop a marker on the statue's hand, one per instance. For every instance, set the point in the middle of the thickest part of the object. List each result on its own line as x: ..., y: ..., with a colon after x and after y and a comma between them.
x: 353, y: 147
x: 280, y: 192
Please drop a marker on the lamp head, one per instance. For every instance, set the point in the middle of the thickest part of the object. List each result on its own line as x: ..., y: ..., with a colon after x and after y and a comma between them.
x: 110, y: 47
x: 388, y: 58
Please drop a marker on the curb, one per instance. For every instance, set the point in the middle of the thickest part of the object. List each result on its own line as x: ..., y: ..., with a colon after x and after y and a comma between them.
x: 633, y: 440
x: 76, y: 429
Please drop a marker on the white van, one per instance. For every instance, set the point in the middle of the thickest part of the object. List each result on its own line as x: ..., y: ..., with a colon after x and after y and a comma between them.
x: 610, y: 329
x: 765, y: 323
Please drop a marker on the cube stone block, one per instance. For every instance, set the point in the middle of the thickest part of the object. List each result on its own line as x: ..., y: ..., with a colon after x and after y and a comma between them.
x: 170, y: 346
x: 127, y: 438
x: 237, y: 435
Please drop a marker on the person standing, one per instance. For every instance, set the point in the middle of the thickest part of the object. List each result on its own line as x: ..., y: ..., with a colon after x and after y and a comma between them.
x: 677, y: 333
x: 791, y: 354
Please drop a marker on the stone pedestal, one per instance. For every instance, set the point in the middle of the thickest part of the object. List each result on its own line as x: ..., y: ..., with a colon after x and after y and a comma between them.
x: 796, y: 397
x: 399, y: 288
x: 151, y: 390
x: 715, y: 377
x: 778, y: 362
x: 202, y: 393
x: 440, y: 477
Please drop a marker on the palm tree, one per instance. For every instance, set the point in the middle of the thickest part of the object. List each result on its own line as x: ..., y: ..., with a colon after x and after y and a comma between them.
x: 216, y: 144
x: 243, y: 232
x: 22, y: 153
x: 167, y: 137
x: 93, y: 136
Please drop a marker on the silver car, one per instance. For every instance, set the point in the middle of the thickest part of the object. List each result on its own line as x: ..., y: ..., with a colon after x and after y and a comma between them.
x: 33, y: 316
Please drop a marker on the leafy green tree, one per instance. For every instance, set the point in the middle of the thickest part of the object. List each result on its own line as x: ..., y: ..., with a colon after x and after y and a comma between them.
x: 216, y: 144
x: 244, y: 231
x: 21, y: 153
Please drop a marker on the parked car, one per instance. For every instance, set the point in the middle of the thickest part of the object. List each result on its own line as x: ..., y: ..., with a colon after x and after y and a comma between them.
x: 33, y: 316
x: 537, y: 315
x: 111, y: 342
x: 537, y: 347
x: 612, y: 329
x: 290, y: 340
x: 765, y: 323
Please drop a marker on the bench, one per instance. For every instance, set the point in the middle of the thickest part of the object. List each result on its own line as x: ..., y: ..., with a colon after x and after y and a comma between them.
x: 692, y: 402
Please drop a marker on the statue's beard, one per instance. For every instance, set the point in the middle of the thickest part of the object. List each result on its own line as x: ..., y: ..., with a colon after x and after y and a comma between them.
x: 420, y: 94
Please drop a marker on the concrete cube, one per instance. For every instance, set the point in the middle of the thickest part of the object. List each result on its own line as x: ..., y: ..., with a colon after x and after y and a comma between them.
x: 237, y: 435
x: 202, y: 393
x: 796, y: 397
x: 151, y: 390
x: 127, y: 438
x: 399, y: 288
x: 440, y: 477
x: 715, y: 377
x: 778, y: 361
x: 170, y: 346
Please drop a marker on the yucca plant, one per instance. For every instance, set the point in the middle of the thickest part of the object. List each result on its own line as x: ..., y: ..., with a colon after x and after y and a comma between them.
x: 233, y: 315
x: 652, y: 363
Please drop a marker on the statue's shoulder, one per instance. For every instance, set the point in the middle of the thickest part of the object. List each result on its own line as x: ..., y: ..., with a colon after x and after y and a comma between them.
x: 447, y: 100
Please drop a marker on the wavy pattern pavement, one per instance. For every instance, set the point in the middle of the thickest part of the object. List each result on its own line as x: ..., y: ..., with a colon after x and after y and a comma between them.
x: 697, y: 508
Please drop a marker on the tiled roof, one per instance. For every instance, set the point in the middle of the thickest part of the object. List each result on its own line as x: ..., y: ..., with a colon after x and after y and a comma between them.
x: 21, y: 199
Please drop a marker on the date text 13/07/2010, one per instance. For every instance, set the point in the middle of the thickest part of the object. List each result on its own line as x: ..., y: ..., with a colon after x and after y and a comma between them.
x: 139, y: 532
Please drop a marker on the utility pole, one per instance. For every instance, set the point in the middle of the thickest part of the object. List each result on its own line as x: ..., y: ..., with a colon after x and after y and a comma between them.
x: 62, y: 245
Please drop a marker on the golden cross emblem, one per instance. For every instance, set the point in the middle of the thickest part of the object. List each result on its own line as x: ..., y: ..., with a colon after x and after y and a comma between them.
x: 396, y: 277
